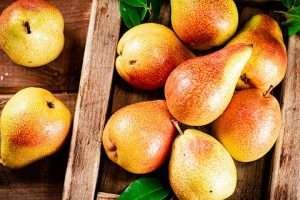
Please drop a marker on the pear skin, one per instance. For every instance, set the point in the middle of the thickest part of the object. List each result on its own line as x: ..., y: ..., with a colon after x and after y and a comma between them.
x: 31, y: 32
x: 147, y: 55
x: 201, y: 168
x: 198, y: 91
x: 139, y: 137
x: 203, y: 24
x: 250, y: 125
x: 34, y: 124
x: 268, y: 63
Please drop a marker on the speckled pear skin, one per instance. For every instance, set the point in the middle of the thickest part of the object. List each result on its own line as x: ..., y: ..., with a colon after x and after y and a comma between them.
x: 268, y: 63
x: 200, y: 168
x: 250, y: 125
x: 147, y: 54
x: 203, y: 24
x: 199, y: 90
x: 139, y: 137
x: 34, y: 124
x: 32, y: 32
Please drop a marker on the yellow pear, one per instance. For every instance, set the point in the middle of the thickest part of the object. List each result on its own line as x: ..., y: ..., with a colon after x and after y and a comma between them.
x: 267, y: 66
x: 34, y: 124
x: 203, y: 24
x: 147, y: 55
x: 200, y: 168
x: 31, y: 32
x: 198, y: 91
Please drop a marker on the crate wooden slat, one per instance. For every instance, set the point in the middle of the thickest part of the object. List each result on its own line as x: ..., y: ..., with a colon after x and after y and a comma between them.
x: 92, y: 101
x: 285, y: 183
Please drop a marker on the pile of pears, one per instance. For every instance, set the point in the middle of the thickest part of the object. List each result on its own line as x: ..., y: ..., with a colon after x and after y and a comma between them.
x: 229, y: 90
x: 34, y: 123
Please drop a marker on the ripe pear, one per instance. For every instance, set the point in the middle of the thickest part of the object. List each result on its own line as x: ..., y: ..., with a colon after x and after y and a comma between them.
x: 31, y: 32
x: 250, y: 125
x: 34, y: 124
x: 139, y: 137
x: 268, y: 63
x: 204, y: 24
x: 147, y: 55
x: 199, y: 90
x: 200, y: 168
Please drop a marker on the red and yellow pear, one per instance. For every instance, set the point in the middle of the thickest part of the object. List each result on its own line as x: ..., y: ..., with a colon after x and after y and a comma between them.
x: 198, y: 91
x: 267, y: 66
x: 201, y: 168
x: 203, y: 24
x: 34, y: 124
x: 147, y: 55
x: 250, y: 125
x: 139, y: 137
x: 32, y: 32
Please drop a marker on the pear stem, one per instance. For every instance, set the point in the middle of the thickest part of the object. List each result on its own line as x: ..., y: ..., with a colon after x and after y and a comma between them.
x: 267, y: 93
x: 176, y: 124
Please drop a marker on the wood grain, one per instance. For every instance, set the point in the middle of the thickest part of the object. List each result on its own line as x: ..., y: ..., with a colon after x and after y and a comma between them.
x: 285, y: 182
x: 92, y: 102
x: 43, y: 180
x: 62, y: 74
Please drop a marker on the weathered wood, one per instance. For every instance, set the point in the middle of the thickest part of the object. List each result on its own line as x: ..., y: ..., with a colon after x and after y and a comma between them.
x: 92, y: 102
x: 62, y: 74
x: 285, y: 182
x: 43, y: 180
x: 106, y: 196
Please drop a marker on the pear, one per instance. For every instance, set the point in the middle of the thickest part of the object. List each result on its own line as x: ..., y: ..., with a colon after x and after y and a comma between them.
x: 34, y: 124
x: 268, y: 63
x: 198, y: 91
x: 204, y: 24
x: 139, y: 137
x: 31, y: 32
x: 147, y: 55
x: 250, y: 125
x: 200, y: 168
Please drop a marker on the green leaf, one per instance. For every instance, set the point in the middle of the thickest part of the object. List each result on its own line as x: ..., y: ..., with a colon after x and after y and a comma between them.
x: 155, y: 6
x: 290, y: 3
x: 145, y: 189
x: 136, y: 3
x: 130, y: 15
x: 286, y: 3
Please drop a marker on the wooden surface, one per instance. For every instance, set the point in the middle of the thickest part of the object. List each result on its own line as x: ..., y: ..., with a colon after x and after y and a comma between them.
x: 92, y: 101
x: 285, y: 183
x: 62, y: 74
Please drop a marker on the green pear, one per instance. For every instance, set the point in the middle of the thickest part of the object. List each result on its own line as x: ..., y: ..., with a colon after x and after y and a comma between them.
x: 200, y: 168
x: 31, y: 32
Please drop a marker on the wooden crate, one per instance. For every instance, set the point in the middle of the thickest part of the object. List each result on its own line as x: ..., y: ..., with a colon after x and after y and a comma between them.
x: 88, y: 173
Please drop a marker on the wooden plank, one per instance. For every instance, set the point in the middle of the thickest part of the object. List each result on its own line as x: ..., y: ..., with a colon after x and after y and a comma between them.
x: 43, y: 180
x: 62, y: 74
x: 106, y: 196
x: 285, y: 182
x: 92, y: 102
